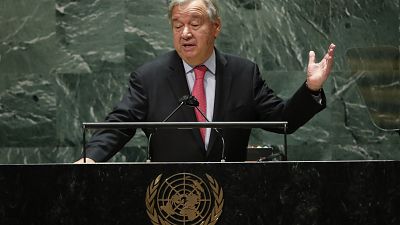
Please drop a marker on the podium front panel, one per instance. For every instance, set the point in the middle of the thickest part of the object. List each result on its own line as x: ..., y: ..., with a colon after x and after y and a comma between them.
x: 355, y: 192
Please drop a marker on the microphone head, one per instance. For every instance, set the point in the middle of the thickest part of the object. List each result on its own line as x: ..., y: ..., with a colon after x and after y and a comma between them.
x: 184, y: 98
x: 189, y: 100
x: 192, y: 101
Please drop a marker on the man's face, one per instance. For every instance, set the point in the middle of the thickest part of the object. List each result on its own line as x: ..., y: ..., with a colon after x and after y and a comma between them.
x: 194, y: 33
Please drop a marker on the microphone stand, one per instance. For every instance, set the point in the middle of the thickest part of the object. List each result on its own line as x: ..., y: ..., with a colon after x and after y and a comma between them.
x: 223, y: 157
x: 182, y: 101
x: 173, y: 112
x: 148, y: 146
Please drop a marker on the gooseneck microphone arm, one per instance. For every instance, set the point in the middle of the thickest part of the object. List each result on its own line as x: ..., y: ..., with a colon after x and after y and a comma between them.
x: 223, y: 159
x: 148, y: 146
x: 192, y: 101
x: 182, y: 101
x: 173, y: 112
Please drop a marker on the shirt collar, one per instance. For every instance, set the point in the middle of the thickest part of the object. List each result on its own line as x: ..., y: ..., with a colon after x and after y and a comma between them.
x: 209, y: 63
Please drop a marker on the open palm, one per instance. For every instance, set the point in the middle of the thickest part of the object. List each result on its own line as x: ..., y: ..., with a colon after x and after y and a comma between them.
x: 317, y: 73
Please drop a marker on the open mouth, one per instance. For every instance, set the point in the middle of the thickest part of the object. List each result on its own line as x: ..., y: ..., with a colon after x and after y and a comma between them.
x: 188, y: 46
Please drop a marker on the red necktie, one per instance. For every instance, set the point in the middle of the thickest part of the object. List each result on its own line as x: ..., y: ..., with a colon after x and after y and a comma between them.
x: 199, y: 93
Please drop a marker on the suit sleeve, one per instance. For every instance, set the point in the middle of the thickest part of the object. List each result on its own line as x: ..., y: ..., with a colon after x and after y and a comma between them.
x: 297, y: 110
x: 132, y: 108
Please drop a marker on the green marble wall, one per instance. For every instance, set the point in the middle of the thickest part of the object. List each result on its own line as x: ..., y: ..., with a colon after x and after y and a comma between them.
x: 65, y: 62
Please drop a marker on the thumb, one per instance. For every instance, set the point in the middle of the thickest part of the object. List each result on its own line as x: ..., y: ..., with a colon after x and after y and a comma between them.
x: 311, y: 57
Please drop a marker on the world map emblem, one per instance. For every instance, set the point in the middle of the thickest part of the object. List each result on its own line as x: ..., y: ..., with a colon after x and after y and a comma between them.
x: 184, y: 198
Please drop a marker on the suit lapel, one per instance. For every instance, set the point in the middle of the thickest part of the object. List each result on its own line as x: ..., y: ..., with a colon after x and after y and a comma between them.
x: 222, y: 92
x: 177, y: 79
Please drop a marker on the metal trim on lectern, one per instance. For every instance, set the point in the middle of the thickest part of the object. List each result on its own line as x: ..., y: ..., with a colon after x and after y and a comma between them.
x: 180, y: 125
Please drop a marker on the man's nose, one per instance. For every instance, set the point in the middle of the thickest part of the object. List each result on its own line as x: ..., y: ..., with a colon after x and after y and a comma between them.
x: 186, y: 33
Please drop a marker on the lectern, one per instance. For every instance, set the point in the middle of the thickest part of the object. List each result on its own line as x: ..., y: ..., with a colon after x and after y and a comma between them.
x: 340, y: 193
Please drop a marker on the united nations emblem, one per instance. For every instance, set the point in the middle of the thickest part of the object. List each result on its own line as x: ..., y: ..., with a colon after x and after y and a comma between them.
x: 184, y: 198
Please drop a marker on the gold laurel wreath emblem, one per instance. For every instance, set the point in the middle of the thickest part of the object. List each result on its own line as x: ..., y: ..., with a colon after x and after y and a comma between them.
x: 212, y: 217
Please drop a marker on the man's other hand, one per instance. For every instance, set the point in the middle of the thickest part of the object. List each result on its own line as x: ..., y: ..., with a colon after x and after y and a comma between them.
x: 317, y: 73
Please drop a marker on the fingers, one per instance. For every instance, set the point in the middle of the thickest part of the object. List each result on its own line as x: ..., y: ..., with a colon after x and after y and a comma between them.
x: 330, y: 52
x: 311, y: 58
x: 329, y: 56
x: 331, y: 49
x: 326, y: 63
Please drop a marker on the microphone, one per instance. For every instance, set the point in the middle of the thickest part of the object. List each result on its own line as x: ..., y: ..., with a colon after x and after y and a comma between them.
x: 184, y: 100
x: 193, y: 102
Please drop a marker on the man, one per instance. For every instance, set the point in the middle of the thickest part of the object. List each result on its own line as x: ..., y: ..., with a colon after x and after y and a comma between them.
x: 229, y: 88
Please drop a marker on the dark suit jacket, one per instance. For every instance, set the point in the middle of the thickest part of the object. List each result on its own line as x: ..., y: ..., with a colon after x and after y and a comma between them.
x: 241, y: 95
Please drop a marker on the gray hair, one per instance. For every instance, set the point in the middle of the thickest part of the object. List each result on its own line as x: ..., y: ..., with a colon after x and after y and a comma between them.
x: 211, y: 5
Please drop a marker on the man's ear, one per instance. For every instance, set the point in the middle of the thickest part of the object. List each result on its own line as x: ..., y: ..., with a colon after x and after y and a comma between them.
x: 217, y: 25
